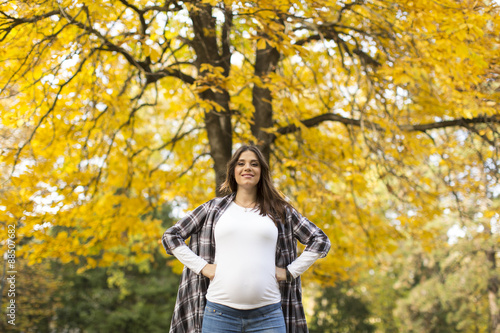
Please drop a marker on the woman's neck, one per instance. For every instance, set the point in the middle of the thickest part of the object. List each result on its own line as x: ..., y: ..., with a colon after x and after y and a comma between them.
x: 246, y: 197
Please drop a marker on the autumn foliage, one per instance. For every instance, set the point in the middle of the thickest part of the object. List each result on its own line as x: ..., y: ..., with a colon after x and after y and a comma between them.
x: 377, y: 117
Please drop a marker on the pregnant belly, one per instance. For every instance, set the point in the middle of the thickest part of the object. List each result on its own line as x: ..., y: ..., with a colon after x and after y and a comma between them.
x: 243, y: 286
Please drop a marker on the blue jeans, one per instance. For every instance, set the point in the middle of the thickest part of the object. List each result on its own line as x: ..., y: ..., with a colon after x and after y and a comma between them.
x: 223, y: 319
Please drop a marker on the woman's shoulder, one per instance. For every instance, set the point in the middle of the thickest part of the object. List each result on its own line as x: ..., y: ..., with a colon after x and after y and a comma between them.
x: 291, y: 211
x: 219, y: 201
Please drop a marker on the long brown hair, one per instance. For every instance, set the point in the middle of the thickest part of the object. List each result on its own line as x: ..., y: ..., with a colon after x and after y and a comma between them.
x: 269, y: 200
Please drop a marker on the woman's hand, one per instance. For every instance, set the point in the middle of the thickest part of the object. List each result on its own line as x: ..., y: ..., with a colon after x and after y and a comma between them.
x: 209, y: 271
x: 280, y: 274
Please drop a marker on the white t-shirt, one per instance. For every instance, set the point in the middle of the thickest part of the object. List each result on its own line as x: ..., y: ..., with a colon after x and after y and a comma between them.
x: 245, y: 277
x: 245, y: 244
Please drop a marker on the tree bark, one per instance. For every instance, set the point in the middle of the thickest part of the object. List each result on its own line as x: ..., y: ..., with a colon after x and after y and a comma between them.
x: 493, y: 286
x: 266, y: 62
x: 217, y: 123
x: 219, y: 132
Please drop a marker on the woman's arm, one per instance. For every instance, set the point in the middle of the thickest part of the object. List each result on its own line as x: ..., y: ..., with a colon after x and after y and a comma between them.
x: 309, y: 234
x: 195, y: 263
x: 316, y: 242
x: 302, y: 263
x: 298, y: 266
x: 177, y: 234
x: 189, y: 259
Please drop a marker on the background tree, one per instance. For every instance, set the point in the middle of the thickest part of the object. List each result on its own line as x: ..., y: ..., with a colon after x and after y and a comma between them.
x: 35, y: 298
x: 364, y: 109
x: 124, y: 297
x: 340, y: 309
x: 444, y: 287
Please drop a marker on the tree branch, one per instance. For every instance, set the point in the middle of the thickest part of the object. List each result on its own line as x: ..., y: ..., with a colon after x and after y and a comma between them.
x: 7, y: 27
x: 315, y: 121
x: 460, y: 122
x: 193, y: 164
x: 155, y: 76
x: 143, y: 66
x: 463, y: 122
x: 139, y: 12
x: 49, y: 111
x: 328, y: 31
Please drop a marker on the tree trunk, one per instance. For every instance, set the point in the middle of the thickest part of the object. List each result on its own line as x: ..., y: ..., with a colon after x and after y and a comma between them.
x: 217, y: 123
x: 493, y: 286
x: 219, y: 132
x: 266, y: 62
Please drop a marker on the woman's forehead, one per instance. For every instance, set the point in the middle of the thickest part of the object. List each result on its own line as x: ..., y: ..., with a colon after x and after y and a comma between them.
x: 248, y: 156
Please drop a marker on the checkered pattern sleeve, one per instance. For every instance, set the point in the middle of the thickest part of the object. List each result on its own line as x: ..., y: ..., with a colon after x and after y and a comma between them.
x: 309, y: 234
x: 177, y: 234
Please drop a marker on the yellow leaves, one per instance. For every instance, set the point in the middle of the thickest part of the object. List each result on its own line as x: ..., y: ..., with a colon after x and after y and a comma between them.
x: 176, y: 266
x: 448, y: 59
x: 290, y: 163
x: 95, y: 168
x: 209, y: 32
x: 89, y: 229
x: 10, y: 119
x: 216, y: 71
x: 190, y: 7
x: 151, y: 52
x: 211, y: 78
x: 210, y: 2
x: 261, y: 44
x: 402, y: 78
x: 208, y: 105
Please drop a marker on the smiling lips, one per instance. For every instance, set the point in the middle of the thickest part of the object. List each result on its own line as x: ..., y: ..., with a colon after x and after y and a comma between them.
x: 246, y: 175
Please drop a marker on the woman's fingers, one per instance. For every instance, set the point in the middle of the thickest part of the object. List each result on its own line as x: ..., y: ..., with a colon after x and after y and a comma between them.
x: 209, y: 271
x: 280, y: 274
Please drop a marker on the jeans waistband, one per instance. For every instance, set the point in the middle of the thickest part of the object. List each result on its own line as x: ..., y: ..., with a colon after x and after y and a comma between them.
x: 252, y: 313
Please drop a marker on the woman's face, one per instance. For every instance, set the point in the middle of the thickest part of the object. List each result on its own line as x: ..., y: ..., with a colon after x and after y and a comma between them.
x: 247, y: 170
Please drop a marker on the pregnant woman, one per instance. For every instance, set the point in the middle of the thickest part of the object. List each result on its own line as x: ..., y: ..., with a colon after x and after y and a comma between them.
x: 242, y: 273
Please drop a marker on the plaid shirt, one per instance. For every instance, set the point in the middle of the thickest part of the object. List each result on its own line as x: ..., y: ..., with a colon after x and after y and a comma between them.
x: 200, y: 225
